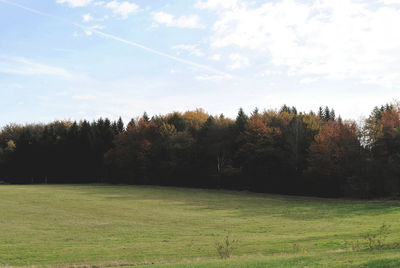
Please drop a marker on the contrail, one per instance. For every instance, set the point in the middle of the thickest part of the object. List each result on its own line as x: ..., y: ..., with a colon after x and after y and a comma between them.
x: 122, y: 40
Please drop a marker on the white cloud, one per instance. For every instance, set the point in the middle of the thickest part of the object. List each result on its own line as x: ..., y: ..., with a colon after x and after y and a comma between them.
x: 99, y: 3
x: 75, y: 3
x: 390, y: 2
x: 97, y: 27
x: 122, y: 8
x: 191, y: 49
x: 216, y: 4
x: 191, y: 21
x: 23, y: 66
x: 216, y: 57
x: 214, y: 78
x: 84, y: 97
x: 88, y: 30
x: 238, y: 61
x: 270, y: 73
x: 343, y: 39
x: 12, y: 85
x: 308, y: 80
x: 87, y: 17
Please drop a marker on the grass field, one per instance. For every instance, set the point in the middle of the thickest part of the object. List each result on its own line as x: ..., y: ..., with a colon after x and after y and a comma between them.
x: 64, y: 226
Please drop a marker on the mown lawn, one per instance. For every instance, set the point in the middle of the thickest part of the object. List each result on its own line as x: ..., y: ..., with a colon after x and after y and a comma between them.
x: 71, y: 225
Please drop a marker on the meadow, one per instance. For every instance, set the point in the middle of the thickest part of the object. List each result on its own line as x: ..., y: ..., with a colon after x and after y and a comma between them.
x: 106, y: 226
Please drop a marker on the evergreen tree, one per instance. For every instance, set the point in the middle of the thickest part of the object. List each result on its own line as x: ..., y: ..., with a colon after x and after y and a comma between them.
x: 132, y: 123
x: 332, y: 115
x: 255, y: 113
x: 327, y: 114
x: 241, y: 120
x: 177, y: 121
x: 321, y: 113
x: 145, y: 117
x: 120, y: 125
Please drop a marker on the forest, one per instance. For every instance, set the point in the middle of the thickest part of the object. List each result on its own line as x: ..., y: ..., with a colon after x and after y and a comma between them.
x: 272, y: 151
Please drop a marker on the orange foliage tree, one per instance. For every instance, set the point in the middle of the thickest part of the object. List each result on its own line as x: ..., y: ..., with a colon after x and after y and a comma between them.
x: 333, y: 156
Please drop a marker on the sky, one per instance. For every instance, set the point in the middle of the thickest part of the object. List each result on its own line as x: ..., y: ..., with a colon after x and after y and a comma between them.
x: 76, y: 59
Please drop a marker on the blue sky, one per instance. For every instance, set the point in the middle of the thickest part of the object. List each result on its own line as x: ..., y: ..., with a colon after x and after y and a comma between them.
x: 75, y: 59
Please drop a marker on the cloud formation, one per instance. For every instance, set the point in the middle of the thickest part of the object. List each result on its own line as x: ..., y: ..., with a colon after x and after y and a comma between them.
x: 124, y: 9
x: 238, y: 61
x: 191, y: 49
x: 89, y: 30
x: 75, y: 3
x: 213, y: 78
x: 343, y: 39
x: 169, y: 20
x: 24, y: 66
x: 216, y: 57
x: 216, y: 4
x: 87, y: 17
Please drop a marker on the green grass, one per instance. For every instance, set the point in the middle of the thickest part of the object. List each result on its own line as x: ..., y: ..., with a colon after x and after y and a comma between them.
x: 67, y: 225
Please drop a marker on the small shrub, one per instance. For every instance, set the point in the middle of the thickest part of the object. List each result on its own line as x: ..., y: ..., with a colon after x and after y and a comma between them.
x: 373, y: 240
x: 226, y: 247
x: 377, y: 240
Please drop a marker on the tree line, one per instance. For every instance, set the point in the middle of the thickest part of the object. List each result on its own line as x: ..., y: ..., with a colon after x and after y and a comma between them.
x: 274, y: 151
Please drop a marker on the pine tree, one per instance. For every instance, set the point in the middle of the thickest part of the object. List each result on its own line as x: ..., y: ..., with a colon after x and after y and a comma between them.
x: 131, y: 123
x: 321, y: 113
x: 332, y: 115
x: 255, y: 113
x: 241, y: 120
x: 284, y: 108
x: 120, y: 125
x: 177, y: 121
x: 145, y: 117
x: 327, y: 114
